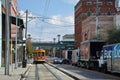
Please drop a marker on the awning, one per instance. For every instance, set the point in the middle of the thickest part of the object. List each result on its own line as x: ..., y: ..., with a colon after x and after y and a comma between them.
x: 13, y: 20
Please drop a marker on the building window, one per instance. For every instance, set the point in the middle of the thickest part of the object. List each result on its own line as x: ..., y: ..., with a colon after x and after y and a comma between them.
x: 108, y: 13
x: 88, y: 3
x: 88, y: 13
x: 99, y: 13
x: 100, y: 3
x: 109, y: 3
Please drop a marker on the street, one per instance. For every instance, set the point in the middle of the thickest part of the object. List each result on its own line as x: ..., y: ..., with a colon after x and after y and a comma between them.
x: 62, y: 71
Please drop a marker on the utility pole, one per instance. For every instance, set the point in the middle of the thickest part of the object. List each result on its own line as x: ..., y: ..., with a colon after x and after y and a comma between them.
x: 96, y: 32
x: 26, y: 32
x: 24, y: 48
x: 0, y: 33
x: 26, y: 23
x: 16, y: 41
x: 7, y: 38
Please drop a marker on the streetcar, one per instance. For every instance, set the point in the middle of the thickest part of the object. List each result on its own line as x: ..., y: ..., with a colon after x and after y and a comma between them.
x: 39, y: 56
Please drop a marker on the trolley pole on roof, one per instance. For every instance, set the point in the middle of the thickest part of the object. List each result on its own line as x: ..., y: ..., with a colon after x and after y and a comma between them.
x: 7, y: 37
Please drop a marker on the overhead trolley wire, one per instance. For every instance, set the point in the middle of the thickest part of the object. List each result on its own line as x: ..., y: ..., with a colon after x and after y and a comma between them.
x: 47, y: 3
x: 55, y: 24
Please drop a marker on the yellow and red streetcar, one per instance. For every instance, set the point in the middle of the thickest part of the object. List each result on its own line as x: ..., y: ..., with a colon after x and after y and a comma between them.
x: 39, y: 56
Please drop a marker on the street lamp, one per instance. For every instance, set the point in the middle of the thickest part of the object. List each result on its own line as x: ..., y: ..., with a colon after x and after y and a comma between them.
x: 54, y: 40
x: 54, y: 47
x: 58, y: 37
x: 59, y: 44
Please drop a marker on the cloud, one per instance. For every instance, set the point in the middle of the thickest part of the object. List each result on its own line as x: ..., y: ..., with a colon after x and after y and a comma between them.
x: 69, y: 19
x: 46, y: 29
x: 56, y: 19
x: 31, y: 18
x: 62, y: 21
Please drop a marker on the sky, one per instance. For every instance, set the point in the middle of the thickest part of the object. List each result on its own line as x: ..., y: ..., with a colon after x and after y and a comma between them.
x: 48, y: 18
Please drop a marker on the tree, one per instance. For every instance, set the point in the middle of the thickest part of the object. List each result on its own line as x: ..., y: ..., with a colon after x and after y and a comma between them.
x: 29, y: 48
x: 99, y: 36
x: 113, y: 35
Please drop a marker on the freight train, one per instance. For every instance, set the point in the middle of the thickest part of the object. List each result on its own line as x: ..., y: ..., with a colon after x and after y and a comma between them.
x: 95, y: 54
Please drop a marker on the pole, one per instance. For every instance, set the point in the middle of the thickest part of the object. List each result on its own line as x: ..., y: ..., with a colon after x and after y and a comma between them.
x: 0, y: 33
x: 26, y: 23
x: 26, y: 32
x: 16, y: 41
x: 7, y: 38
x: 58, y: 37
x: 54, y: 47
x: 96, y: 17
x: 24, y: 47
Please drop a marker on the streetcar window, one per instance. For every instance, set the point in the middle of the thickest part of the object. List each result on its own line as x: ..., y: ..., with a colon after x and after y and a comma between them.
x: 39, y: 54
x: 42, y: 53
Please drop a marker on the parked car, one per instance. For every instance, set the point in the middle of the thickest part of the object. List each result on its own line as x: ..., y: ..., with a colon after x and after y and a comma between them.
x: 65, y: 61
x: 57, y: 61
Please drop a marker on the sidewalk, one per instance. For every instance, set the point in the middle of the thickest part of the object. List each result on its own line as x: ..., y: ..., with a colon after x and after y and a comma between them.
x: 14, y: 74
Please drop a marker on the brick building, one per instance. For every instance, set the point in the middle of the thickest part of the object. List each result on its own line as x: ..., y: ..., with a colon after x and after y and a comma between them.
x: 89, y: 27
x: 13, y: 11
x: 85, y: 13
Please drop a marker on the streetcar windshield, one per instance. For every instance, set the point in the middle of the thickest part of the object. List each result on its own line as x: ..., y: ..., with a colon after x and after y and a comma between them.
x: 40, y: 54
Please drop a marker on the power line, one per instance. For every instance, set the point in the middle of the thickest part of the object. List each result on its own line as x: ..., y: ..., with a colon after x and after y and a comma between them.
x: 45, y: 20
x: 46, y: 17
x: 46, y: 7
x: 55, y: 24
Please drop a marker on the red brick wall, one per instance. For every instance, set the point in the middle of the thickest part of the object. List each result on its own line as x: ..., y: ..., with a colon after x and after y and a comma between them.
x: 13, y: 13
x: 89, y: 26
x: 81, y: 10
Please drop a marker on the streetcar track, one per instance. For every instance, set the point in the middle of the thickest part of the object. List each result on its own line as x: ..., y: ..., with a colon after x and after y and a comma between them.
x: 36, y: 73
x: 50, y: 69
x: 68, y: 74
x: 56, y: 76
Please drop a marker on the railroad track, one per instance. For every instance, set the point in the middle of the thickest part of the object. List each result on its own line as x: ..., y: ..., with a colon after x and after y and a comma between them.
x: 46, y: 72
x: 54, y: 72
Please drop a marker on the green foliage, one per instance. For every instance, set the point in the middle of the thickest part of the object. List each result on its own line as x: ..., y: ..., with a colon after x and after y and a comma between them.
x: 113, y: 35
x: 99, y: 36
x: 29, y: 48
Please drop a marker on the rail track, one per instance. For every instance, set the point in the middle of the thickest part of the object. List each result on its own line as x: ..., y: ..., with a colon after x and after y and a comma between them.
x: 46, y: 72
x: 56, y: 72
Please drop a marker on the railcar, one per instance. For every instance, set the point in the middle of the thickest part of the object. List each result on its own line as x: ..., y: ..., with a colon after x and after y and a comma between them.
x: 39, y: 56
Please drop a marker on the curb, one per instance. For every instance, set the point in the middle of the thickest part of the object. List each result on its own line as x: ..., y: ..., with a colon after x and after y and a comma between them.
x: 23, y: 76
x: 74, y: 77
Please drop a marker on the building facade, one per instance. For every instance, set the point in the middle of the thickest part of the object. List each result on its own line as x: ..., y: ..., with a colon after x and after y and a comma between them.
x: 85, y: 10
x: 89, y: 27
x: 68, y: 37
x: 13, y: 32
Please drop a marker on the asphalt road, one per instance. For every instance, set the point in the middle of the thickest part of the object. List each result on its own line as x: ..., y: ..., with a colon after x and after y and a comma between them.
x: 86, y: 74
